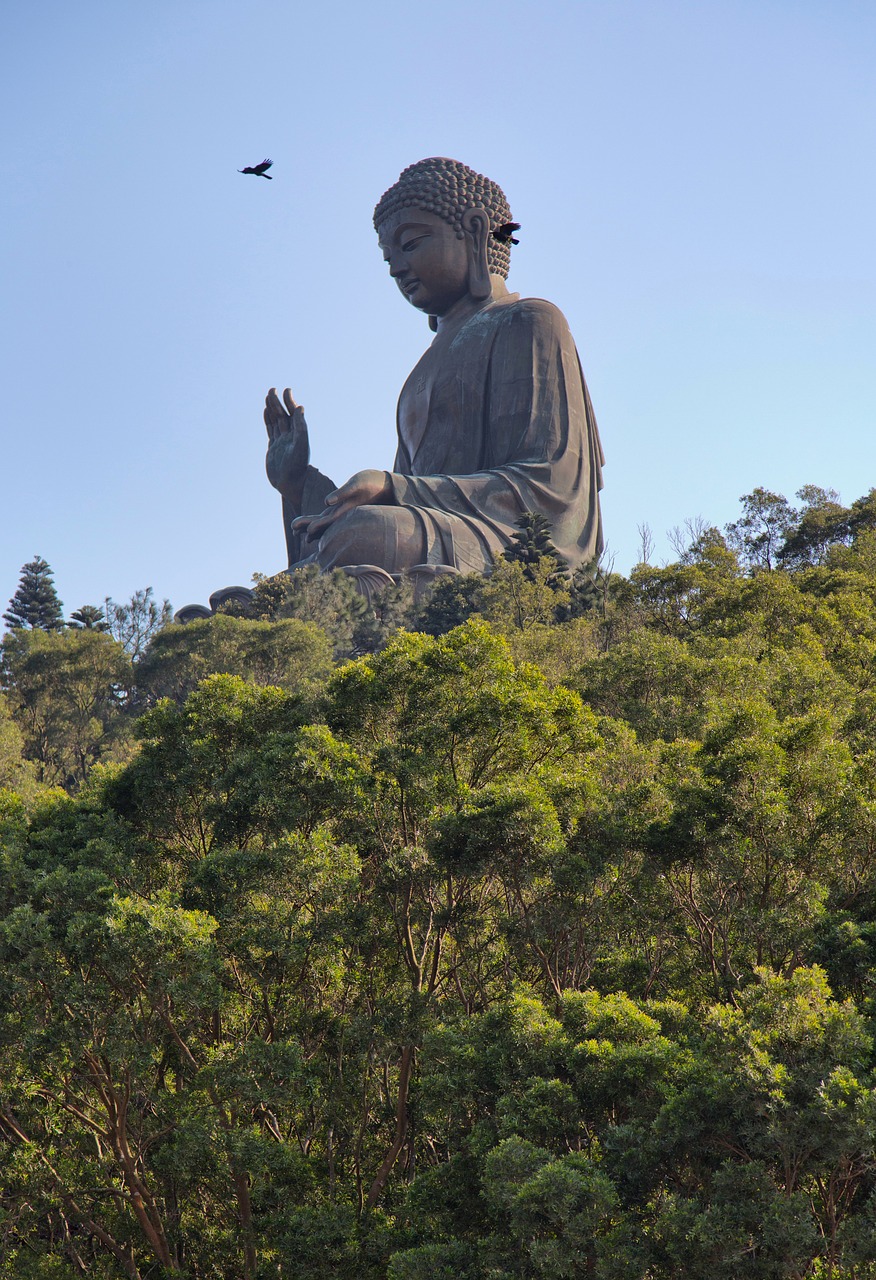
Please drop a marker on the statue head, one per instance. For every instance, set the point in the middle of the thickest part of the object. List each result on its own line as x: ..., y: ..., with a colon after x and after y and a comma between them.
x: 450, y: 189
x: 447, y: 214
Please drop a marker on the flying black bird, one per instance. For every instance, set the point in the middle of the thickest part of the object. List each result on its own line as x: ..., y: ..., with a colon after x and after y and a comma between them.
x: 259, y: 169
x: 505, y: 232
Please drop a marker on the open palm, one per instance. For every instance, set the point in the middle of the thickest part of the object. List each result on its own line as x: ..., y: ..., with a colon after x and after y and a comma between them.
x: 288, y: 442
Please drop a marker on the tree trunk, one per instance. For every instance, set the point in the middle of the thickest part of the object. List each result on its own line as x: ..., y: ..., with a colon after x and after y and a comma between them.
x: 401, y: 1126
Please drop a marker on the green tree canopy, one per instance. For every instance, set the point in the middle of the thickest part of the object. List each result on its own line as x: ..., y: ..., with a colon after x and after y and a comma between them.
x: 35, y: 603
x: 529, y: 950
x: 135, y: 623
x: 89, y: 617
x: 289, y: 653
x: 66, y: 691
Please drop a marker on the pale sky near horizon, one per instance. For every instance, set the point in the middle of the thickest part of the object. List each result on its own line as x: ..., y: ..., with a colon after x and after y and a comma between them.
x: 695, y: 181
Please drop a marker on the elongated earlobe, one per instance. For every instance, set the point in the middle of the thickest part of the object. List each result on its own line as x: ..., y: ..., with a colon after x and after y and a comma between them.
x: 476, y: 225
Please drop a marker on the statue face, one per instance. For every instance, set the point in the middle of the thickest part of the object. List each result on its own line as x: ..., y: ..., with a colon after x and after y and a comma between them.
x: 426, y: 259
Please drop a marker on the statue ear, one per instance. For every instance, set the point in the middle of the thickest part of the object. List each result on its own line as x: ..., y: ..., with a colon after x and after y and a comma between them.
x: 476, y: 225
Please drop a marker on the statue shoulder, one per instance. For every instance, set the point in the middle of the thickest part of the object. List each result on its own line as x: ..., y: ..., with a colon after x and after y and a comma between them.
x: 535, y: 314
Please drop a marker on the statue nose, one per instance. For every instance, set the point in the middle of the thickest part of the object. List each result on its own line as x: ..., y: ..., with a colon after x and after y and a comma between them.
x: 397, y: 263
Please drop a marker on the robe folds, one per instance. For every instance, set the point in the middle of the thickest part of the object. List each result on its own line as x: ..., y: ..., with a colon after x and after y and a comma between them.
x: 495, y: 420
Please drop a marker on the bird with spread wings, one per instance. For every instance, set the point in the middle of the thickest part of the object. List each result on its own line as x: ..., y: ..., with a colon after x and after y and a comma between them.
x: 259, y: 169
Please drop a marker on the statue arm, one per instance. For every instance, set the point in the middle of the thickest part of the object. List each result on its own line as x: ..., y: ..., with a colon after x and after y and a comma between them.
x: 302, y: 486
x: 309, y: 502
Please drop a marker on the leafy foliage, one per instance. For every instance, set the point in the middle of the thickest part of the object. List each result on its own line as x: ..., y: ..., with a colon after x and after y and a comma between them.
x: 438, y: 964
x: 135, y: 623
x: 66, y: 691
x: 289, y: 653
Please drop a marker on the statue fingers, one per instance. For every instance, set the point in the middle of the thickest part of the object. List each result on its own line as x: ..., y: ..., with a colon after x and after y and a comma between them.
x: 298, y: 426
x: 312, y: 526
x: 289, y: 402
x: 348, y: 492
x: 270, y: 414
x: 276, y: 418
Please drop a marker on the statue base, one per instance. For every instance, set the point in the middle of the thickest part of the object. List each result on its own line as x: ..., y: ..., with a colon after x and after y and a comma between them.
x: 369, y: 579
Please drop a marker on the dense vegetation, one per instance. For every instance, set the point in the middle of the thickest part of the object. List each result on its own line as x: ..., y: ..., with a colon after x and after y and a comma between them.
x: 528, y: 931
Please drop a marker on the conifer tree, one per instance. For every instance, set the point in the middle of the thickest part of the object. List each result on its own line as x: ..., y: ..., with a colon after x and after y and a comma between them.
x: 35, y: 603
x: 135, y: 623
x: 532, y: 543
x: 88, y: 617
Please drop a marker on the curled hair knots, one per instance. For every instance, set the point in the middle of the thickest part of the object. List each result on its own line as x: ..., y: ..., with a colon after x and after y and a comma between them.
x: 447, y: 188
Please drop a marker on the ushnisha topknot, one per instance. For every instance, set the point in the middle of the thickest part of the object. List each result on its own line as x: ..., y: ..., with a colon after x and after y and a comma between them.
x: 448, y: 188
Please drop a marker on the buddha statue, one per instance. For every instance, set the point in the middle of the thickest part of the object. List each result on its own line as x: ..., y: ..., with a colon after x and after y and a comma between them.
x: 494, y: 421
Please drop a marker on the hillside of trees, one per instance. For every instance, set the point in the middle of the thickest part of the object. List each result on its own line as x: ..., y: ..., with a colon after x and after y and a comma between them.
x: 526, y: 931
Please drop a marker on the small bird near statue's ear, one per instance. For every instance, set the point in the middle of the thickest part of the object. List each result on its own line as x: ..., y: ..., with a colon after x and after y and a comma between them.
x: 505, y: 233
x: 477, y: 223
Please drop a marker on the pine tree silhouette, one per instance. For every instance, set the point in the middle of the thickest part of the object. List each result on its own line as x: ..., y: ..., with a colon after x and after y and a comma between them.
x: 35, y: 603
x: 89, y: 617
x: 533, y: 542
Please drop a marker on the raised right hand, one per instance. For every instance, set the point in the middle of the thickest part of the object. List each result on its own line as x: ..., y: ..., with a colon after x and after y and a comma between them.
x: 288, y: 443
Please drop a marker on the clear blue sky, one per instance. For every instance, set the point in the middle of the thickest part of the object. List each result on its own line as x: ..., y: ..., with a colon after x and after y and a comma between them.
x: 695, y: 180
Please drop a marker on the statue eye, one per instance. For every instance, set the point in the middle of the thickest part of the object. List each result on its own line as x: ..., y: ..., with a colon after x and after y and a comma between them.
x: 412, y: 244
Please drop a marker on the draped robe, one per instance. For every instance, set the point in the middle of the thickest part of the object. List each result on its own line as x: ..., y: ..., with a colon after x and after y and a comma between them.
x: 495, y: 420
